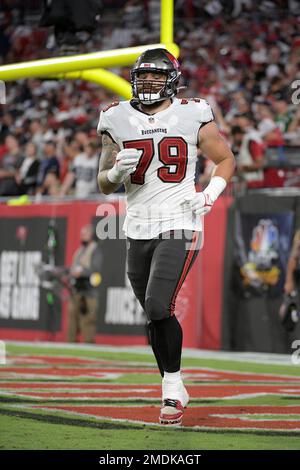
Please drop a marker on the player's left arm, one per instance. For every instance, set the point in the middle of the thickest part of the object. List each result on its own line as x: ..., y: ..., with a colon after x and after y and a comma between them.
x: 214, y: 147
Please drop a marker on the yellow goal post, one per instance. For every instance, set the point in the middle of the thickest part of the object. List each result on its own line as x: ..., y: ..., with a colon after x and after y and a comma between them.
x: 92, y: 66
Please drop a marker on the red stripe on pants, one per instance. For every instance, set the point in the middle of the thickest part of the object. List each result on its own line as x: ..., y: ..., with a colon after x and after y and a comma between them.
x: 185, y: 269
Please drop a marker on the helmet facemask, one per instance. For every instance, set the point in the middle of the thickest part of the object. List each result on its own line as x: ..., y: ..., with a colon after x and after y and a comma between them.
x: 152, y: 91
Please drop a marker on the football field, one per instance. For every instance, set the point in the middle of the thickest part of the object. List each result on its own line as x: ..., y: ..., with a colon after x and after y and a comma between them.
x: 104, y: 398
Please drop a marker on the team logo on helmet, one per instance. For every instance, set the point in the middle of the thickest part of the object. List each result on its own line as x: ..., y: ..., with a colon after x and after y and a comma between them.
x: 147, y: 65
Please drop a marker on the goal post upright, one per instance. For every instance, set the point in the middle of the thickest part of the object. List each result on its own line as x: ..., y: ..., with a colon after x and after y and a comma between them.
x: 92, y: 66
x: 103, y: 77
x: 166, y: 23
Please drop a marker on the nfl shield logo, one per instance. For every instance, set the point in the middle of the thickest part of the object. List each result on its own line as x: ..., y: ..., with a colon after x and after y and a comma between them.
x: 151, y: 120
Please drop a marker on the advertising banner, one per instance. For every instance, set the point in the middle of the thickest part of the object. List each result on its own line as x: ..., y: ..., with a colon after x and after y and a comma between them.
x: 259, y: 236
x: 41, y: 234
x: 24, y: 302
x: 262, y: 251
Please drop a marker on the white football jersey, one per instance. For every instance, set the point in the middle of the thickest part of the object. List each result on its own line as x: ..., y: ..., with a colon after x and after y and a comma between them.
x: 165, y: 174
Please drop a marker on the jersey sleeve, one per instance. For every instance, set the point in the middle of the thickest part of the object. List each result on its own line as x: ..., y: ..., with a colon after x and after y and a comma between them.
x: 204, y: 113
x: 105, y: 126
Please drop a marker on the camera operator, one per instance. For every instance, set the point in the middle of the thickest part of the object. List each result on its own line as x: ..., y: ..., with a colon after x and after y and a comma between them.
x: 85, y: 277
x: 289, y: 310
x: 293, y: 267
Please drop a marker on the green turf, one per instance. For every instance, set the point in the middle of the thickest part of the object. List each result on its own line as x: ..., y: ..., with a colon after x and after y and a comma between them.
x: 23, y: 433
x: 78, y: 352
x: 218, y: 364
x: 272, y: 417
x: 55, y: 429
x: 90, y: 421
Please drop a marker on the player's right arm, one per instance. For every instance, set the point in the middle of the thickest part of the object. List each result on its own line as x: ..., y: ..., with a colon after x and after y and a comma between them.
x: 107, y: 160
x: 115, y: 165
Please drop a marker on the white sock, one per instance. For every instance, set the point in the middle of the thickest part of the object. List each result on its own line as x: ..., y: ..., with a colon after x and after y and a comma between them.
x: 173, y: 388
x: 172, y: 377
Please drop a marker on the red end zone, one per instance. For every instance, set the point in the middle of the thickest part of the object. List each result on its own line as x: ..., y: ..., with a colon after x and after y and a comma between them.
x: 146, y: 391
x: 62, y: 384
x: 231, y: 417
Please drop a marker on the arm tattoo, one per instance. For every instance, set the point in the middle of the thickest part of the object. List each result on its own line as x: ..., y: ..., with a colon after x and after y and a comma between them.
x: 108, y: 154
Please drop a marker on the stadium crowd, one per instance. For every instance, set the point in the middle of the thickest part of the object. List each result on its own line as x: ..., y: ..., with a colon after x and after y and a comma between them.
x: 241, y: 56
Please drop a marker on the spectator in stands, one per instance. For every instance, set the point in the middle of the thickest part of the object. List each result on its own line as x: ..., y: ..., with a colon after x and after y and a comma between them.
x: 237, y: 135
x: 283, y: 112
x: 37, y: 135
x: 81, y: 138
x: 48, y: 176
x: 272, y: 137
x: 26, y: 176
x: 10, y: 164
x: 293, y: 134
x: 6, y: 123
x: 249, y: 151
x: 270, y: 132
x: 69, y: 151
x: 231, y: 52
x: 83, y: 172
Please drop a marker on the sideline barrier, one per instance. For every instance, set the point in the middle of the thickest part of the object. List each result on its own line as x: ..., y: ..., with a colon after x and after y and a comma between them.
x: 25, y: 313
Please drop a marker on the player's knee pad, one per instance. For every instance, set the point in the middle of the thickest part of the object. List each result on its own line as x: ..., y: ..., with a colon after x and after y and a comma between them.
x: 156, y: 309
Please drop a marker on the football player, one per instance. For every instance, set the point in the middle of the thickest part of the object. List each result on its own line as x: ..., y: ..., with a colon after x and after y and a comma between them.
x: 150, y: 144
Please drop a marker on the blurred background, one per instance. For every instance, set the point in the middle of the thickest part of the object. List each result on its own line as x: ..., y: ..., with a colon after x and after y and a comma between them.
x: 243, y: 57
